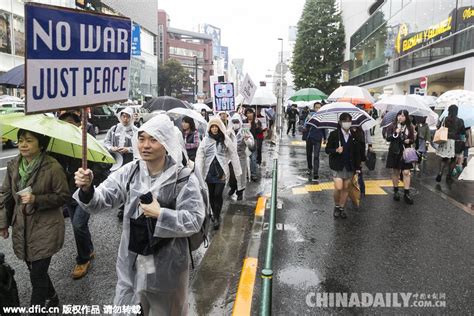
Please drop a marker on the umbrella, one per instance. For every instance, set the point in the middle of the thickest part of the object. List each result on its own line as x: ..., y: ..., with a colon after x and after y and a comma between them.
x: 328, y: 116
x: 389, y: 117
x: 352, y: 92
x: 199, y: 106
x: 14, y: 78
x: 465, y: 112
x: 263, y: 97
x: 454, y: 97
x: 165, y: 103
x: 66, y: 139
x: 367, y: 104
x: 308, y: 94
x: 413, y: 104
x: 428, y: 100
x: 197, y: 117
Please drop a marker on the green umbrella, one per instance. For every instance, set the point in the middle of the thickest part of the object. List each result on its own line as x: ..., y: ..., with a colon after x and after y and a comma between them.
x: 66, y: 139
x: 308, y: 94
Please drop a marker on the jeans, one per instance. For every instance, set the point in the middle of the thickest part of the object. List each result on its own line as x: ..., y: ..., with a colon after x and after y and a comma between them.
x: 313, y: 146
x: 42, y: 287
x: 216, y: 198
x: 82, y: 234
x: 253, y: 164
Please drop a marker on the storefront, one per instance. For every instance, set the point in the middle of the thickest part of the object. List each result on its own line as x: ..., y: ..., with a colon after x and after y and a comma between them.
x: 405, y: 40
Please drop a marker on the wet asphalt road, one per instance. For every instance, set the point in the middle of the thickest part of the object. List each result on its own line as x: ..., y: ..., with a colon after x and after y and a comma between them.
x: 384, y: 247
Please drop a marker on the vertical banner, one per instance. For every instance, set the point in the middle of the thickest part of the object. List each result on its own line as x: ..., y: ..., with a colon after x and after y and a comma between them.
x: 224, y: 96
x: 74, y: 58
x: 136, y: 47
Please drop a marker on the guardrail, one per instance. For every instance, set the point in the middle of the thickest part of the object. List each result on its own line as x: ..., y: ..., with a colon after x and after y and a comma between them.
x: 267, y: 272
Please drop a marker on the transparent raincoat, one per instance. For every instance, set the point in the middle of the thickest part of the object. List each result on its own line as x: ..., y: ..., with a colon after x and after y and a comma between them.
x: 159, y: 280
x: 121, y: 135
x: 242, y: 146
x: 208, y: 150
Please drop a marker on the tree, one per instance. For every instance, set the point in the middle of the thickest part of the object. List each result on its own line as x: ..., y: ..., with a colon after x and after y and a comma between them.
x: 319, y: 48
x: 173, y: 78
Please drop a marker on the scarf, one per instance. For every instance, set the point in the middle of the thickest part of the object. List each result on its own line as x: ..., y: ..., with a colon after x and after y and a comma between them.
x: 26, y: 170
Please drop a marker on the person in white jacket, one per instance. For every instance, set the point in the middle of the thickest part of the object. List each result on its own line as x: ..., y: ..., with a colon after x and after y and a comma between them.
x: 212, y: 161
x: 245, y: 140
x: 158, y: 281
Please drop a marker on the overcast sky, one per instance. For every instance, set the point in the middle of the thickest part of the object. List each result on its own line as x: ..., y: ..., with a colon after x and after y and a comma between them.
x: 250, y: 28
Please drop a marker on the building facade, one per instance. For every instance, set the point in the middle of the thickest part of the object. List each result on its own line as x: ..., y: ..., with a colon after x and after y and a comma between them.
x: 193, y: 50
x: 405, y: 40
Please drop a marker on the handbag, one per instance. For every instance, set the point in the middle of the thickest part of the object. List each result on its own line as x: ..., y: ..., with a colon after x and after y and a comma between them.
x: 410, y: 155
x: 371, y: 160
x: 354, y: 190
x: 441, y: 135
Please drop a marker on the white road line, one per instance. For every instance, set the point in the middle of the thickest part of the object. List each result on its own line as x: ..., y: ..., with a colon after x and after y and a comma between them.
x: 4, y: 168
x: 7, y: 157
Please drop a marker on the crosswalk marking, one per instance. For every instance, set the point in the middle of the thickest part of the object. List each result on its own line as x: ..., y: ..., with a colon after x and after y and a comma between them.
x: 372, y: 187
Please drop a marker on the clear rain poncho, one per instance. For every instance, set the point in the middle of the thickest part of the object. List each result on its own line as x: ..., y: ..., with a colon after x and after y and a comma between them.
x: 160, y: 280
x: 208, y: 150
x: 121, y: 135
x: 243, y: 145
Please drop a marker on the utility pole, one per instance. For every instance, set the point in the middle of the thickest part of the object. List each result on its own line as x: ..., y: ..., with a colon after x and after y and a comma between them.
x: 279, y: 121
x: 195, y: 88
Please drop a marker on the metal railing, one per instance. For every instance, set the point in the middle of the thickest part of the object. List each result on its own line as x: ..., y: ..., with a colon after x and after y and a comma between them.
x: 267, y: 272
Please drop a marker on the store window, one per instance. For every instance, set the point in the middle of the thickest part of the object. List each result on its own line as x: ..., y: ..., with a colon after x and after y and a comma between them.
x: 5, y: 34
x: 19, y: 35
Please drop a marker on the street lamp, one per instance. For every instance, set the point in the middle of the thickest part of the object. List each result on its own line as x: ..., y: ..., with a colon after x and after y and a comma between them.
x: 195, y: 89
x: 280, y: 104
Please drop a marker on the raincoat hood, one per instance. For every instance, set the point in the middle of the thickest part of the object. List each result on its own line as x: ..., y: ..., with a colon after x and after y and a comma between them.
x: 163, y: 130
x: 236, y: 117
x: 129, y: 111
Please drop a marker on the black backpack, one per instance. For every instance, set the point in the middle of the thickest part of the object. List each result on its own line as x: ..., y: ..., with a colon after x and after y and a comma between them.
x: 8, y: 289
x: 200, y: 237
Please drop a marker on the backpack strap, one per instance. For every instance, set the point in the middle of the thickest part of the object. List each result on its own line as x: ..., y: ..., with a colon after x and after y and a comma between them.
x: 135, y: 170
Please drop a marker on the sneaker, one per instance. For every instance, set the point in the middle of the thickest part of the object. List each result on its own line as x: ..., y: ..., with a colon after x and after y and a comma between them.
x: 408, y: 199
x: 120, y: 215
x: 231, y: 192
x: 417, y: 169
x: 316, y: 177
x: 342, y: 213
x: 240, y: 195
x: 337, y: 211
x: 81, y: 270
x: 438, y: 177
x: 396, y: 196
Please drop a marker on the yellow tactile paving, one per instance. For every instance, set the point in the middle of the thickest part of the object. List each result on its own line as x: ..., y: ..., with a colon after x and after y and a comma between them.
x: 260, y: 208
x: 372, y: 187
x: 298, y: 143
x: 313, y: 188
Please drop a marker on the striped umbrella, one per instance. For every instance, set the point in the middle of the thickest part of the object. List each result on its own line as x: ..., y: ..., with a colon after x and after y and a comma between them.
x: 328, y: 116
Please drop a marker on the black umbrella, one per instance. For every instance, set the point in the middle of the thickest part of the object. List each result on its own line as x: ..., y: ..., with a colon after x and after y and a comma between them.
x: 14, y: 78
x: 165, y: 103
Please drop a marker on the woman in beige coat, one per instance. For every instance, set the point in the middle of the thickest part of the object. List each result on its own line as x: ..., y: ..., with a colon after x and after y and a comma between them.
x: 31, y: 199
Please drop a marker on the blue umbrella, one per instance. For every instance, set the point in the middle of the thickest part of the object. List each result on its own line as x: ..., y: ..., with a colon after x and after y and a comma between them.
x: 14, y: 78
x: 465, y: 112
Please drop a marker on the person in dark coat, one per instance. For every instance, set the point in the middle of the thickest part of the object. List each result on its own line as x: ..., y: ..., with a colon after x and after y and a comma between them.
x: 401, y: 135
x: 344, y: 159
x: 314, y: 137
x: 292, y: 115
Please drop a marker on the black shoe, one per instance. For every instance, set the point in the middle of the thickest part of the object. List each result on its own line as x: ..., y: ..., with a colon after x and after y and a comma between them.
x: 120, y: 215
x: 408, y: 199
x: 216, y: 225
x: 342, y: 213
x: 396, y: 196
x: 240, y: 195
x: 231, y: 192
x: 337, y: 211
x: 254, y: 178
x: 438, y: 177
x: 52, y: 302
x: 309, y: 172
x: 316, y: 177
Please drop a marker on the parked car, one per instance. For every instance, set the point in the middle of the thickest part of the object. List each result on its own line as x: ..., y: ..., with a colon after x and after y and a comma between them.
x: 12, y: 104
x: 102, y: 117
x: 8, y: 110
x: 140, y: 115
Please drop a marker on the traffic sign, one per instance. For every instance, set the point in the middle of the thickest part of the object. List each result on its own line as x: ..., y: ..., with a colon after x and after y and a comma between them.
x: 423, y: 82
x: 281, y: 68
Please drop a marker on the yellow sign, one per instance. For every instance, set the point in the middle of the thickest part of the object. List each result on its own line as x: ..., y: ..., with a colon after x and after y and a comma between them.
x: 468, y: 13
x: 405, y: 44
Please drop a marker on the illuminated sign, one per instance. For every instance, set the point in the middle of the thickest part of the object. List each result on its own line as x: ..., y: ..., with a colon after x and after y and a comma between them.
x: 406, y: 42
